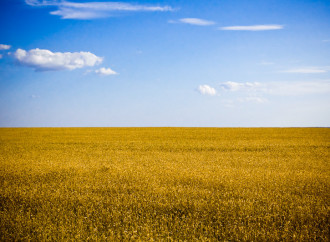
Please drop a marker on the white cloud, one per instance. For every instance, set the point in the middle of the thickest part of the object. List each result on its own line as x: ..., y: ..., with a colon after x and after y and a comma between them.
x: 279, y: 88
x: 233, y: 93
x: 5, y: 47
x: 238, y: 86
x: 206, y: 90
x: 236, y: 92
x: 196, y: 21
x: 258, y: 93
x: 92, y: 10
x: 41, y: 2
x: 253, y: 27
x: 308, y: 70
x: 71, y: 13
x: 105, y: 71
x: 45, y: 60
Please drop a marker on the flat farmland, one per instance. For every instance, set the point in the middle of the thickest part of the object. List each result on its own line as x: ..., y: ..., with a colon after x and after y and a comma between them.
x: 169, y: 184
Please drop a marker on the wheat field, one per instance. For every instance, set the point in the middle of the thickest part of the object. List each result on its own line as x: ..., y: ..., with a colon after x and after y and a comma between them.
x: 164, y: 184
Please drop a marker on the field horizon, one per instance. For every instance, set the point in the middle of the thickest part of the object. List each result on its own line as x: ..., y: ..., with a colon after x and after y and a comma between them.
x: 164, y: 183
x: 168, y: 127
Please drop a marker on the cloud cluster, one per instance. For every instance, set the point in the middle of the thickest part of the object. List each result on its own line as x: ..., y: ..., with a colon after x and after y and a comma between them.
x: 206, y: 90
x: 253, y: 27
x: 105, y: 71
x: 237, y: 86
x: 45, y: 60
x: 93, y: 10
x: 279, y: 88
x: 256, y: 92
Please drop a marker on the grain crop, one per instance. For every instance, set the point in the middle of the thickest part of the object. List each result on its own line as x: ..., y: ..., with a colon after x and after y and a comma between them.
x: 164, y: 184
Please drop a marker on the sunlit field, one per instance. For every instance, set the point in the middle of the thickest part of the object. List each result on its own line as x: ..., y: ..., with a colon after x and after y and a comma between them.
x: 164, y: 184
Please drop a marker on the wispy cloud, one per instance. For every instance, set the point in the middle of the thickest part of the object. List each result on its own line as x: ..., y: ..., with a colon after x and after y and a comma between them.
x: 33, y: 96
x: 238, y: 86
x: 206, y: 90
x: 4, y: 47
x: 258, y: 93
x: 296, y: 88
x: 45, y: 60
x: 194, y: 21
x: 42, y: 2
x: 105, y: 71
x: 308, y: 70
x: 252, y: 99
x: 266, y: 63
x: 253, y: 27
x: 286, y: 88
x: 93, y: 10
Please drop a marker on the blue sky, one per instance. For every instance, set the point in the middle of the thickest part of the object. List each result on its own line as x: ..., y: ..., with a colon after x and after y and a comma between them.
x: 228, y: 63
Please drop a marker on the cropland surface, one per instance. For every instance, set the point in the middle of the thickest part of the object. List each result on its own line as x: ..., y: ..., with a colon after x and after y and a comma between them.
x: 235, y: 184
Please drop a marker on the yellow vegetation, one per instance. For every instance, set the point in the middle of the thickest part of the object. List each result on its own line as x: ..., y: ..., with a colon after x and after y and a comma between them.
x: 164, y: 184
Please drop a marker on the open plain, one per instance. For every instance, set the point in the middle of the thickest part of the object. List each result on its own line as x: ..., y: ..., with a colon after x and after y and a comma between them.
x: 235, y: 184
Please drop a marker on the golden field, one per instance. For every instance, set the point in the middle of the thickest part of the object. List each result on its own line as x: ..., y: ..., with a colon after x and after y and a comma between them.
x: 164, y: 184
